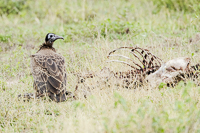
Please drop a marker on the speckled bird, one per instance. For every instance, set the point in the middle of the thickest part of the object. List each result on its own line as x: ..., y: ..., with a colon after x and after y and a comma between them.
x: 48, y: 70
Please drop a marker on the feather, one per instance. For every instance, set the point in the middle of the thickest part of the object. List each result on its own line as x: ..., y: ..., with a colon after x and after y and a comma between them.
x: 49, y: 74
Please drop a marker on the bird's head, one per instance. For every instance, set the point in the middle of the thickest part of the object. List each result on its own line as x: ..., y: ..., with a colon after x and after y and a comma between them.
x: 50, y: 38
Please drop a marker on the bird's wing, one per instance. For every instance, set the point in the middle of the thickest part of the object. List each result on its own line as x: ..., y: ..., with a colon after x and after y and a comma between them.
x: 49, y: 73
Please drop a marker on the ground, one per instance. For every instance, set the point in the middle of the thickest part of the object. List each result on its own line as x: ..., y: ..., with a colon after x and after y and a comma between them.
x: 92, y: 28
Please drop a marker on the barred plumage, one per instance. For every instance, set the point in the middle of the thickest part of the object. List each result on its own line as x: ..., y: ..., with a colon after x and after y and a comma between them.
x: 48, y: 70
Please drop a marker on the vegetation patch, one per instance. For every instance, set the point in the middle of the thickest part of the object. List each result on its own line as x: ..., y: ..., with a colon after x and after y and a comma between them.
x: 91, y: 29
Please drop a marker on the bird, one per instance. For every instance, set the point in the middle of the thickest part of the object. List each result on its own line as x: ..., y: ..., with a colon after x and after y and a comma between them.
x: 48, y: 71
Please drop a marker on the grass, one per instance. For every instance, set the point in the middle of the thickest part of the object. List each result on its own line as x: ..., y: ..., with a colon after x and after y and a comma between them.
x: 91, y: 30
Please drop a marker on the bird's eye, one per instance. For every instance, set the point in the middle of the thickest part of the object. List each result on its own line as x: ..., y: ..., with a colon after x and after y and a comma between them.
x: 51, y: 35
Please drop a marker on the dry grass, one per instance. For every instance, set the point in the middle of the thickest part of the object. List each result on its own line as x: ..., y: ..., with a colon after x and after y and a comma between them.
x: 92, y: 29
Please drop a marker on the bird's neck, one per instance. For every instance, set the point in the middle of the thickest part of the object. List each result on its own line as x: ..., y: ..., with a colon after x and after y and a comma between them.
x: 44, y: 46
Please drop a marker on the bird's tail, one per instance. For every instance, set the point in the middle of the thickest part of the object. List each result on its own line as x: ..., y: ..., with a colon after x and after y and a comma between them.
x: 61, y: 97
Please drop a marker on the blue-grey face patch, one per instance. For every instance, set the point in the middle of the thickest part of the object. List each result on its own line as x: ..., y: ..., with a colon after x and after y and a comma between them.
x: 50, y: 36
